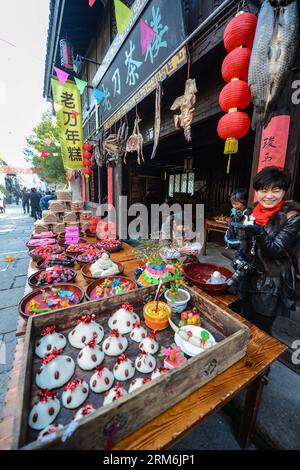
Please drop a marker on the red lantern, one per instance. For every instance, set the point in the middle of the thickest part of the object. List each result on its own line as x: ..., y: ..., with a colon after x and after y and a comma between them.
x: 233, y: 125
x: 39, y: 168
x: 240, y: 31
x: 236, y: 65
x: 87, y: 162
x: 87, y: 172
x: 235, y: 94
x: 87, y: 154
x: 87, y: 147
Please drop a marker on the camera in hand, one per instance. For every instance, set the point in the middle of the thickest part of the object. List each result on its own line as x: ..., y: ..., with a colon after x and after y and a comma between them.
x: 241, y: 268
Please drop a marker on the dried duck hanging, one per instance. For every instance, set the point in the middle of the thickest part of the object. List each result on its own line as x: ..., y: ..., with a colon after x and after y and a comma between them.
x: 186, y: 104
x: 135, y: 142
x: 115, y: 144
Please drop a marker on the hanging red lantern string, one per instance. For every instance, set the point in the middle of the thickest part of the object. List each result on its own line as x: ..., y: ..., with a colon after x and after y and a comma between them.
x: 87, y: 162
x: 235, y: 96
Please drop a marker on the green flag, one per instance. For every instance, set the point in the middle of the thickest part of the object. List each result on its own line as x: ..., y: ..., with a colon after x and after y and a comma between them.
x: 123, y: 16
x: 81, y: 84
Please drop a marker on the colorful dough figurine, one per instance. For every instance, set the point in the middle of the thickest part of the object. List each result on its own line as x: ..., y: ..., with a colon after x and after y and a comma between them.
x: 137, y: 383
x: 123, y: 319
x: 174, y: 357
x: 50, y: 340
x: 124, y: 368
x: 145, y: 363
x: 114, y: 394
x: 91, y: 355
x: 75, y: 393
x: 149, y: 344
x: 84, y: 332
x: 158, y: 372
x: 190, y: 317
x: 33, y: 308
x: 84, y: 411
x: 102, y: 380
x: 115, y: 344
x: 44, y: 411
x: 56, y: 370
x: 138, y: 333
x: 49, y: 430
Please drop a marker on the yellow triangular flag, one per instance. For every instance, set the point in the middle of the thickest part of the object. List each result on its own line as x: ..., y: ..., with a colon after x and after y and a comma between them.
x: 58, y: 107
x: 123, y: 16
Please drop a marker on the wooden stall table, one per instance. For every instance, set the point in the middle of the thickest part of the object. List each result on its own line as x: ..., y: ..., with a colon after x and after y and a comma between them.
x: 212, y: 225
x: 124, y: 256
x: 171, y: 426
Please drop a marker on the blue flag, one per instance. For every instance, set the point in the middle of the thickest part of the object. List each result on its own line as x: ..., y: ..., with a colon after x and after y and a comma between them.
x: 99, y: 95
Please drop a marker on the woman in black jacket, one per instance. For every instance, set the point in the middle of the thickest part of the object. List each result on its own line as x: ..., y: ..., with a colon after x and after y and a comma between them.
x: 267, y: 262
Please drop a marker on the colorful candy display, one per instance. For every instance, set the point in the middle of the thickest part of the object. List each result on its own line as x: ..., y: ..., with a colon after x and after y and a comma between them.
x: 41, y: 242
x: 58, y: 259
x: 51, y: 299
x: 44, y: 235
x: 53, y: 275
x: 92, y: 254
x: 109, y: 244
x: 78, y: 248
x: 111, y: 286
x: 44, y: 251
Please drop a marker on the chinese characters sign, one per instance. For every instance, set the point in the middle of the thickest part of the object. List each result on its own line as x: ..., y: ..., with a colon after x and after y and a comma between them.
x: 274, y: 141
x: 70, y: 123
x: 132, y: 66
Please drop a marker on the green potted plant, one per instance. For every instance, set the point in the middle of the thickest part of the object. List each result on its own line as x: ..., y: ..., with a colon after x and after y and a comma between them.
x: 176, y: 297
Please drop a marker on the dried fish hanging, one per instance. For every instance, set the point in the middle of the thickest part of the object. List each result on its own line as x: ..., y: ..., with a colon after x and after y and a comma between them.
x: 274, y: 53
x: 186, y: 103
x: 135, y: 142
x: 238, y: 40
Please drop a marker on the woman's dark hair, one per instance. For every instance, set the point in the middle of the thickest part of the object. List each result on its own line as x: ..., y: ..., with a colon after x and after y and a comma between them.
x: 239, y: 195
x: 272, y: 177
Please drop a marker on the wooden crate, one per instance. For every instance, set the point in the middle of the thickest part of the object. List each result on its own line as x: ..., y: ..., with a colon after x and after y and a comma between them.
x: 122, y: 418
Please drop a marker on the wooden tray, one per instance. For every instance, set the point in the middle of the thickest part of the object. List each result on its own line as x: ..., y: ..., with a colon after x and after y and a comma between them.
x: 135, y: 409
x: 85, y: 271
x: 94, y: 284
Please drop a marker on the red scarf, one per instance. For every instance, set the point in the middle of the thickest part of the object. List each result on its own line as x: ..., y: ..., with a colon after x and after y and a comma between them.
x: 262, y: 214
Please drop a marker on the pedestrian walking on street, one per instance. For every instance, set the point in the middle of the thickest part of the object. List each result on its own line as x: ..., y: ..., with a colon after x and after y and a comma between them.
x: 35, y: 197
x: 2, y: 203
x: 25, y: 200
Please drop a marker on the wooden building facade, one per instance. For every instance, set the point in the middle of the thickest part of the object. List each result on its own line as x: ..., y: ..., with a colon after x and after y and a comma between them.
x: 196, y: 170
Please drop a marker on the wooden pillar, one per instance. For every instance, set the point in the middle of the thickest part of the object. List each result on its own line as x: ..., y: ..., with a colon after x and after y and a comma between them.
x: 110, y: 185
x: 83, y: 187
x: 118, y: 192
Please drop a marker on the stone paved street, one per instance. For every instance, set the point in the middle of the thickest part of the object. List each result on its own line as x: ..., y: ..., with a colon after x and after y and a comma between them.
x: 15, y: 230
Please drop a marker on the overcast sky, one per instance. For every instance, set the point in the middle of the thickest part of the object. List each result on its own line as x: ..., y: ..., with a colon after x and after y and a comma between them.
x: 24, y: 24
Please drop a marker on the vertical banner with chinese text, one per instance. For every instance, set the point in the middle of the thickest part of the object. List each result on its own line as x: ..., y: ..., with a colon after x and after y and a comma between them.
x: 69, y: 119
x: 274, y: 142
